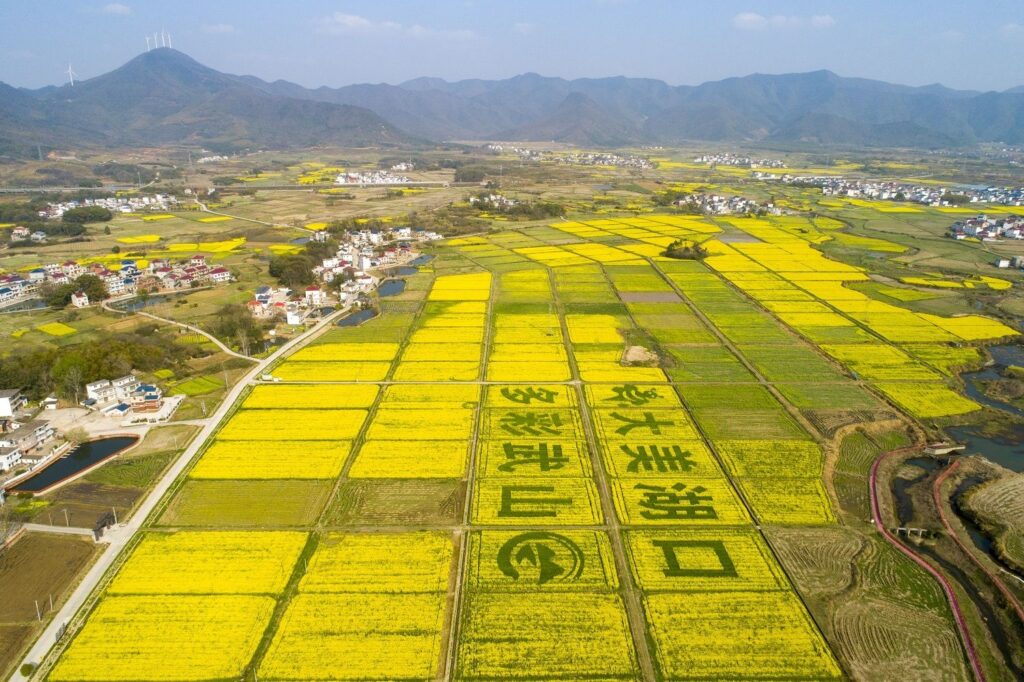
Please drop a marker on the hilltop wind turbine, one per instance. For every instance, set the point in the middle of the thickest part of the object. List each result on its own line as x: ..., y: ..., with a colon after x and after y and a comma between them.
x: 169, y: 40
x: 147, y: 44
x: 71, y: 75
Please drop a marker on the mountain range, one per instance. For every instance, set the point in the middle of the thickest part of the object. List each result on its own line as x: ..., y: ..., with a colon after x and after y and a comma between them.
x: 165, y: 97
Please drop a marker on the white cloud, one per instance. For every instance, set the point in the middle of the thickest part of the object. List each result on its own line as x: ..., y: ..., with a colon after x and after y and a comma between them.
x: 524, y: 28
x: 117, y: 8
x: 340, y: 23
x: 752, y: 21
x: 1011, y: 30
x: 217, y: 29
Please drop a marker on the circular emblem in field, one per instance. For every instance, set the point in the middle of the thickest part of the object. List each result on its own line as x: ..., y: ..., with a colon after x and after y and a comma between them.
x: 541, y: 557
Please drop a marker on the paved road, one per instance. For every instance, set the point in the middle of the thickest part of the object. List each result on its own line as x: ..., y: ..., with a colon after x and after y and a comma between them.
x: 118, y: 536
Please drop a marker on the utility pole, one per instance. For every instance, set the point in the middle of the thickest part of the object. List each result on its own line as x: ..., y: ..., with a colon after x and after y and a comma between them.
x: 67, y: 519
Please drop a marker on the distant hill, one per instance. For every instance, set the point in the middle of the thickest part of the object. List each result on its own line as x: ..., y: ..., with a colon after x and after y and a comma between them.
x: 163, y: 96
x: 817, y: 108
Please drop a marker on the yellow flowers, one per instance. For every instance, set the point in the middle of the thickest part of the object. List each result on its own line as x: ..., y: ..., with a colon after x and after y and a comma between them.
x: 259, y: 459
x: 287, y: 425
x: 309, y: 397
x: 380, y: 562
x: 730, y: 635
x: 357, y: 637
x: 57, y: 329
x: 704, y: 560
x: 370, y: 607
x: 176, y: 638
x: 210, y: 562
x: 546, y: 634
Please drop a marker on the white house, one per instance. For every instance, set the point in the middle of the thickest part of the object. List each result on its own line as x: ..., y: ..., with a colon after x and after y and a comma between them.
x: 79, y: 299
x: 314, y: 296
x: 105, y: 390
x: 11, y: 400
x: 9, y: 458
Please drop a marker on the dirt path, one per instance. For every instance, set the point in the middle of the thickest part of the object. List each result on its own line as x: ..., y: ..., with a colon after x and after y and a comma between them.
x: 183, y: 325
x: 954, y: 604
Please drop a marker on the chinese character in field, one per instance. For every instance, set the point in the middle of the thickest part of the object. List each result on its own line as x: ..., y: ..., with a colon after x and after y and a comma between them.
x: 630, y: 393
x: 660, y: 458
x: 649, y: 421
x: 536, y: 454
x: 522, y: 501
x: 532, y: 423
x: 675, y: 569
x: 661, y: 503
x: 525, y: 396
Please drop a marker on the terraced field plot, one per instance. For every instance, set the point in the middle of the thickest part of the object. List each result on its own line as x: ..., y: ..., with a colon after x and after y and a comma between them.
x: 571, y: 466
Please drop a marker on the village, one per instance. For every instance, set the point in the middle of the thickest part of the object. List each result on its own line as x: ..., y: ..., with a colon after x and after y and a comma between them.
x: 126, y: 204
x: 930, y: 195
x: 344, y: 279
x: 726, y: 159
x: 718, y: 204
x: 125, y: 278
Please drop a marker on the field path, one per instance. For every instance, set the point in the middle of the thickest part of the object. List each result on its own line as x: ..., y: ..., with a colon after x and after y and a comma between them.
x: 954, y: 604
x: 119, y: 536
x: 937, y: 496
x: 183, y: 325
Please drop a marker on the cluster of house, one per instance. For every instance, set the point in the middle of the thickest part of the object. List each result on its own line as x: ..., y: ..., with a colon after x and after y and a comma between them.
x: 358, y: 253
x: 736, y: 160
x: 718, y: 204
x: 159, y: 274
x: 403, y: 167
x: 832, y: 185
x: 368, y: 249
x: 493, y: 202
x: 20, y: 233
x: 276, y: 303
x: 130, y: 204
x: 21, y: 442
x: 603, y: 159
x: 987, y: 228
x: 377, y: 177
x: 118, y: 397
x: 521, y: 152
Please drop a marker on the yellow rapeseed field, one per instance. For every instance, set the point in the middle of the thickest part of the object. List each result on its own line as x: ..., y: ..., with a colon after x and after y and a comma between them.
x: 177, y: 638
x: 210, y: 562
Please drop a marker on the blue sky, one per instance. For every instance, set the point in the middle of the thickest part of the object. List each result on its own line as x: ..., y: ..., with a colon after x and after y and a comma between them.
x: 975, y: 45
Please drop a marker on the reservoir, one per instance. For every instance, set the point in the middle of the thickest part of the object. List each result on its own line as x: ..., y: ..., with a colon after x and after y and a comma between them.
x: 86, y: 455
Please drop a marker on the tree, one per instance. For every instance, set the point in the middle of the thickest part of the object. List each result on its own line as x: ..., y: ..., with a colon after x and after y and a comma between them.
x: 293, y: 270
x: 87, y: 214
x: 470, y: 175
x: 684, y: 250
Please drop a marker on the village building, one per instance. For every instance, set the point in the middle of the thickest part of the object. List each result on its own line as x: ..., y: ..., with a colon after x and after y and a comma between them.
x: 11, y: 400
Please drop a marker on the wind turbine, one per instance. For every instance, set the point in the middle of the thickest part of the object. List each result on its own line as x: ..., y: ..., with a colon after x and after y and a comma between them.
x: 147, y: 43
x: 169, y: 40
x: 71, y: 75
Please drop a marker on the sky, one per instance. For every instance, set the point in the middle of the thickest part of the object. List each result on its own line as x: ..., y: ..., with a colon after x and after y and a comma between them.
x: 966, y: 45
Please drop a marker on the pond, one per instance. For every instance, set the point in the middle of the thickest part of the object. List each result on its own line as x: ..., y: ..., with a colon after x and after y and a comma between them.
x: 1006, y: 449
x: 357, y: 318
x: 391, y: 287
x: 135, y: 304
x: 84, y: 456
x: 421, y: 260
x: 28, y: 304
